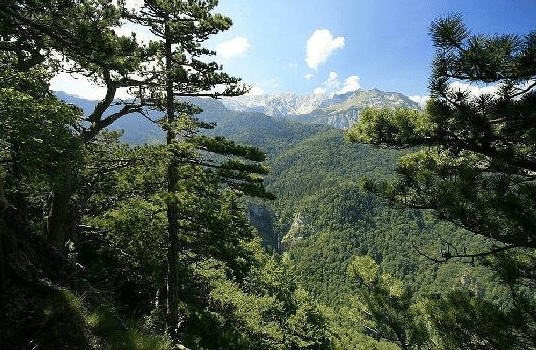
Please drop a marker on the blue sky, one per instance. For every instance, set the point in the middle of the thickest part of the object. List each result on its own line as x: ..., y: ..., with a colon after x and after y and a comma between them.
x: 371, y: 44
x: 306, y: 46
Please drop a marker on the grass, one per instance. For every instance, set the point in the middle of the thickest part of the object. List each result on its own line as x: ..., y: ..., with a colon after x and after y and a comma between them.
x: 70, y: 316
x: 119, y: 336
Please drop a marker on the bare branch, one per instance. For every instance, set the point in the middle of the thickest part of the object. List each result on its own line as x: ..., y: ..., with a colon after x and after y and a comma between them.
x: 446, y: 256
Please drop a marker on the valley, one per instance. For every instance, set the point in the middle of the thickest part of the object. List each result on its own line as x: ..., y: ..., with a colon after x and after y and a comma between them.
x: 151, y: 200
x: 321, y: 217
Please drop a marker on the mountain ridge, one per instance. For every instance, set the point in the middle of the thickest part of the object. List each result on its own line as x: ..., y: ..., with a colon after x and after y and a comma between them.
x: 340, y: 110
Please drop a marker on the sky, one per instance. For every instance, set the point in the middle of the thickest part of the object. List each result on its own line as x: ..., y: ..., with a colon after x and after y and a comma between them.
x: 335, y: 46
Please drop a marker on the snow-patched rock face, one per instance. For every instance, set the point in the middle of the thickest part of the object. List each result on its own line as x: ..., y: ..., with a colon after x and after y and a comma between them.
x: 340, y: 111
x: 277, y: 105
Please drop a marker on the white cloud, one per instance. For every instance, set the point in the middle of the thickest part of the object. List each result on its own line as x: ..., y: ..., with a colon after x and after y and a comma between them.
x: 474, y: 90
x: 458, y: 86
x: 234, y: 47
x: 256, y: 90
x: 142, y: 33
x: 329, y: 85
x: 130, y: 4
x: 308, y: 76
x: 494, y: 90
x: 320, y: 90
x: 333, y: 80
x: 421, y: 100
x: 79, y: 85
x: 350, y: 84
x: 332, y: 85
x: 320, y: 46
x: 133, y: 4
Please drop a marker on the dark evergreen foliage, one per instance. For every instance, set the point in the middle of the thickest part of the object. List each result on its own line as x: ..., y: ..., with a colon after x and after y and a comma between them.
x: 160, y: 253
x: 477, y: 171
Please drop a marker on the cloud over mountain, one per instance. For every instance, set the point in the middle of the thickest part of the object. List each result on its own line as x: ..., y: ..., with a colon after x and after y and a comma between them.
x: 350, y: 84
x: 234, y: 47
x: 421, y: 100
x: 332, y: 85
x: 320, y: 46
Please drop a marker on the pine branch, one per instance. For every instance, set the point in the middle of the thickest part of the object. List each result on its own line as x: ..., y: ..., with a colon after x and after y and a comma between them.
x: 446, y: 256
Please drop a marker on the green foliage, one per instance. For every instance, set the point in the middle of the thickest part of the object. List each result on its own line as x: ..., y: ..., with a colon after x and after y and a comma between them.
x: 231, y: 293
x: 384, y: 306
x: 461, y: 321
x: 90, y: 324
x: 36, y: 134
x: 119, y: 337
x: 400, y: 127
x: 329, y: 219
x: 128, y: 197
x: 318, y: 180
x: 276, y: 312
x: 68, y: 36
x: 364, y: 268
x: 477, y: 172
x: 36, y: 126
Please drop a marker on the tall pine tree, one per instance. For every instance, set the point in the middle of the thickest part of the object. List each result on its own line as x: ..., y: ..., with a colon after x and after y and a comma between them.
x: 181, y: 27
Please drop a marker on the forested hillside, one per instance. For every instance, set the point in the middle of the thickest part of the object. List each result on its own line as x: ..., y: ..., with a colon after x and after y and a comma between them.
x: 170, y: 221
x: 107, y: 245
x: 322, y: 218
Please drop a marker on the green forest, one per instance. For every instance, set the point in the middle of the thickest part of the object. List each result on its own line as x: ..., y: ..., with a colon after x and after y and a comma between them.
x: 167, y: 221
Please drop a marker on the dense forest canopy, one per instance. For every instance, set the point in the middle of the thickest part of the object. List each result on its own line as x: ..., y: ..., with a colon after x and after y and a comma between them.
x: 113, y: 245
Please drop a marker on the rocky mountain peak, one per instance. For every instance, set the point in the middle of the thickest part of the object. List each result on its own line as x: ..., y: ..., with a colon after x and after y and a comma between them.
x: 340, y: 111
x: 290, y: 104
x: 277, y: 105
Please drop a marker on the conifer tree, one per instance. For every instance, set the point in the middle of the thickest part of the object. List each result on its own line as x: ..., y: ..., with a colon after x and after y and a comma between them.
x: 74, y: 37
x: 384, y: 306
x: 181, y: 27
x: 477, y: 168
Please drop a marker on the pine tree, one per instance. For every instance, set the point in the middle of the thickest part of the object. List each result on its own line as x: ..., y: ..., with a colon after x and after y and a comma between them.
x: 385, y: 307
x: 479, y: 168
x: 475, y: 158
x: 78, y: 32
x: 181, y: 27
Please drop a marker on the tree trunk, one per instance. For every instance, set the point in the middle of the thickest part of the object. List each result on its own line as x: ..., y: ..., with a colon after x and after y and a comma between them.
x: 56, y: 224
x: 172, y: 210
x: 4, y: 204
x: 173, y: 276
x: 3, y: 200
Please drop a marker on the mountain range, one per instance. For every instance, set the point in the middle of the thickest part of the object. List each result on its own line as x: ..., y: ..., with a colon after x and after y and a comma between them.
x: 340, y: 111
